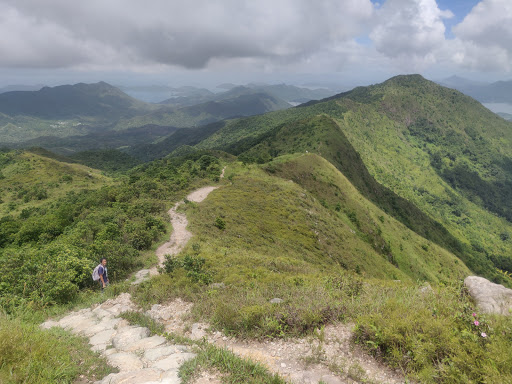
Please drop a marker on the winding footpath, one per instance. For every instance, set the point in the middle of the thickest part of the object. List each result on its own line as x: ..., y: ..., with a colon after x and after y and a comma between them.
x: 145, y: 359
x: 141, y: 358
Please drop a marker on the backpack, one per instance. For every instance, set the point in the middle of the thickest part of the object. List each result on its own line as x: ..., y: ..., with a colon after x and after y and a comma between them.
x: 95, y: 273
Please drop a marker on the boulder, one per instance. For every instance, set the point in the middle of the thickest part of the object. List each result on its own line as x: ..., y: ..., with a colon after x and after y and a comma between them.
x: 489, y: 297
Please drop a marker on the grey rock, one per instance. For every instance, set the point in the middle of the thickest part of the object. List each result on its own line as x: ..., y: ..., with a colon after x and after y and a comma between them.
x: 142, y: 376
x: 125, y: 361
x: 146, y: 343
x: 128, y: 336
x: 110, y: 351
x: 425, y: 289
x: 49, y: 324
x: 159, y: 352
x: 103, y: 325
x: 102, y: 313
x: 103, y: 337
x: 218, y: 285
x: 276, y: 300
x: 173, y: 361
x: 489, y: 297
x: 197, y: 331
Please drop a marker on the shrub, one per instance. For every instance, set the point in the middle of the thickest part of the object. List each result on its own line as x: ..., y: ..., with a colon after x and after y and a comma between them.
x: 220, y: 223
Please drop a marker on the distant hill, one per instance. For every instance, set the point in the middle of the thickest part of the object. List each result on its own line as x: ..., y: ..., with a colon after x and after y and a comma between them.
x: 158, y: 93
x: 243, y: 104
x: 506, y: 116
x: 72, y: 101
x: 288, y: 93
x: 498, y: 92
x: 64, y: 111
x: 15, y: 87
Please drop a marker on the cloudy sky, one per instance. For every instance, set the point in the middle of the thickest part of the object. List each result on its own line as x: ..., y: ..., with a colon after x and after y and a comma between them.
x: 205, y: 42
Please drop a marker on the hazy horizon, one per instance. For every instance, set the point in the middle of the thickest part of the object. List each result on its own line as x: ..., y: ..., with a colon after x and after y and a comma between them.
x: 201, y: 43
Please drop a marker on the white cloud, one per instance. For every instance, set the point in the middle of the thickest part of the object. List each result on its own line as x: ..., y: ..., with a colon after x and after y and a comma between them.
x: 191, y: 34
x: 484, y: 37
x: 410, y: 32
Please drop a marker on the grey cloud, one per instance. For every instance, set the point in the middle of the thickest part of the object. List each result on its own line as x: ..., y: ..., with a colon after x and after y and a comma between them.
x: 183, y: 33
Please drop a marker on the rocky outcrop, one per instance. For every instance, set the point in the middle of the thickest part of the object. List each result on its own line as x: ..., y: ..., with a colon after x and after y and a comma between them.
x: 489, y: 297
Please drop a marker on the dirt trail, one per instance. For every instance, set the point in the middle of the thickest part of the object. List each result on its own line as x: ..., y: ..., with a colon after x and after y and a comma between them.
x: 179, y: 236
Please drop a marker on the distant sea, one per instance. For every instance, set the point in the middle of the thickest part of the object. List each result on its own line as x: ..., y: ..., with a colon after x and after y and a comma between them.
x: 499, y: 107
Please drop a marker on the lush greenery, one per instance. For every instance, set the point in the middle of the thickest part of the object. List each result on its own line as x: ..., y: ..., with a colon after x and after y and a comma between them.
x: 431, y: 157
x: 343, y: 210
x: 48, y: 250
x: 279, y: 241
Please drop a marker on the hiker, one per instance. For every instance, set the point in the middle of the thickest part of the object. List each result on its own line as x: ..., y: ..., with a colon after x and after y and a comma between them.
x: 100, y: 273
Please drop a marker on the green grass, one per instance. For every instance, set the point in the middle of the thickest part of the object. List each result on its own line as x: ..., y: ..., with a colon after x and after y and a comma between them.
x: 232, y: 368
x: 142, y: 320
x: 31, y: 180
x: 33, y: 356
x: 269, y: 247
x: 288, y: 240
x: 432, y: 337
x: 429, y: 156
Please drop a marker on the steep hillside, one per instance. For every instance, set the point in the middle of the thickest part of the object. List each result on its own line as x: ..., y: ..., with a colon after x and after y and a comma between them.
x: 431, y: 147
x: 317, y: 222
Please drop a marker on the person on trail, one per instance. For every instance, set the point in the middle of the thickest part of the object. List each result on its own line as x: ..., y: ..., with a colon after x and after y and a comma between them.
x: 102, y: 272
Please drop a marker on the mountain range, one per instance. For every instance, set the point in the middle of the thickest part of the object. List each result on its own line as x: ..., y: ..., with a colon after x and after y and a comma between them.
x: 89, y: 109
x: 497, y: 92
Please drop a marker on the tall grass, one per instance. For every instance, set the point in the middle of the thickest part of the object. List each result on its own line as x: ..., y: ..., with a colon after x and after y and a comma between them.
x: 30, y: 355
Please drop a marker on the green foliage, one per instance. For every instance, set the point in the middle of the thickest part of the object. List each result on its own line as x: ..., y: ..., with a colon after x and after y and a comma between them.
x: 194, y: 267
x: 143, y: 320
x: 48, y: 251
x: 431, y: 157
x: 220, y: 223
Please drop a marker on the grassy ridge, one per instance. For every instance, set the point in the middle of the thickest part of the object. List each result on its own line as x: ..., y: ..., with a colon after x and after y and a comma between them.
x: 29, y: 180
x: 274, y: 233
x: 418, y: 150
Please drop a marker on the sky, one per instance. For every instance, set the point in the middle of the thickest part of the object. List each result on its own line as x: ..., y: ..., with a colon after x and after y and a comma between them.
x: 208, y: 42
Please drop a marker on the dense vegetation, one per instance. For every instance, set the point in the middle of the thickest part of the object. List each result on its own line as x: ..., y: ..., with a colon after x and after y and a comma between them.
x: 369, y: 207
x: 330, y: 255
x: 431, y: 157
x: 48, y: 249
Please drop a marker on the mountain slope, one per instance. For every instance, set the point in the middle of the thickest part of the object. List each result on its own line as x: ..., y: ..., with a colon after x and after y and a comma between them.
x: 433, y: 147
x: 71, y: 101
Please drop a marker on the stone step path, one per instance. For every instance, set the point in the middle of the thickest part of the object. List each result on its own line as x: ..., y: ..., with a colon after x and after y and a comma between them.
x: 140, y: 358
